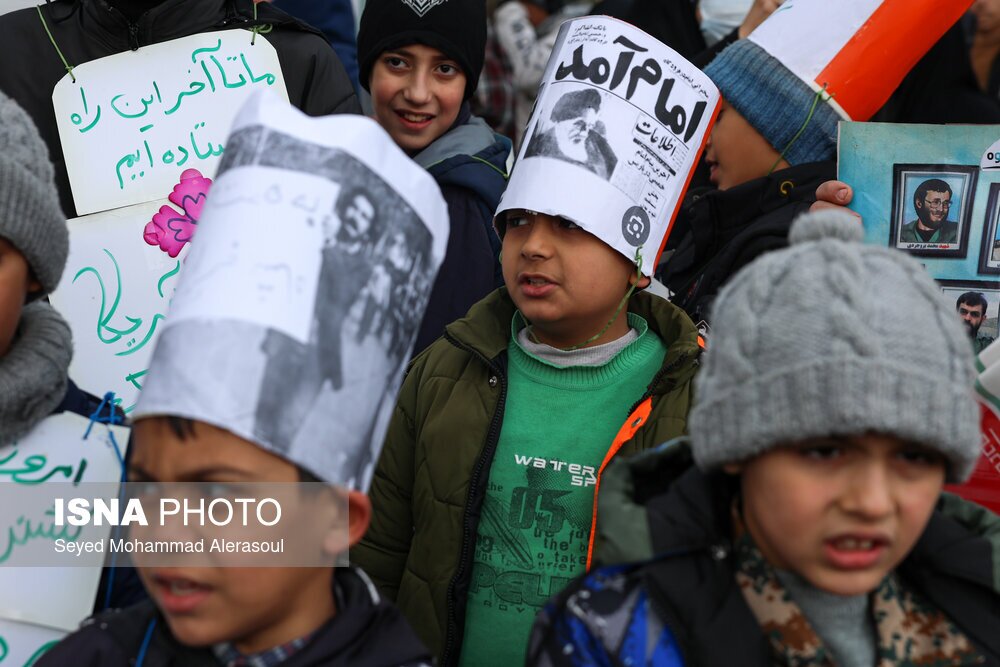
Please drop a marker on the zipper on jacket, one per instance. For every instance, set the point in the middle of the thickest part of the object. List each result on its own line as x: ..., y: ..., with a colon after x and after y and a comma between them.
x: 492, y: 438
x: 133, y: 27
x: 133, y: 35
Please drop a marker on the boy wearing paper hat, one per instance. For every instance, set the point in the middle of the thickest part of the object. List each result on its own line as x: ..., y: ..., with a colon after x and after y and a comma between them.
x: 775, y: 140
x: 528, y: 390
x: 801, y: 524
x: 483, y: 498
x: 195, y: 424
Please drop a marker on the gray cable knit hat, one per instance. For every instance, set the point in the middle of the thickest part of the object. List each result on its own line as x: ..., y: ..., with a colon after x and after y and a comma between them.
x: 832, y: 337
x: 30, y: 216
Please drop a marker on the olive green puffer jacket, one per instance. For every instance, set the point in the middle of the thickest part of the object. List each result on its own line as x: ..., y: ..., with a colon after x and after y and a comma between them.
x: 429, y: 484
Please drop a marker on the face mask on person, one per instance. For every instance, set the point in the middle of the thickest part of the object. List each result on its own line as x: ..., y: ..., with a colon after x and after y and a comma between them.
x: 720, y: 17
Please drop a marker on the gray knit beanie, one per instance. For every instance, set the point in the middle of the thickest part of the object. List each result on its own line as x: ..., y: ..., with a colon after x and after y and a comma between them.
x: 775, y: 102
x: 30, y: 216
x: 832, y: 337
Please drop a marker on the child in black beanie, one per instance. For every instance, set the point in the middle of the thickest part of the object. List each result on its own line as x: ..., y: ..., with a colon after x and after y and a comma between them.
x: 421, y: 60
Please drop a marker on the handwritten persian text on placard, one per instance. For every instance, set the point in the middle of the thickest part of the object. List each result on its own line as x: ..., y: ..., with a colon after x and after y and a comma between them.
x: 134, y: 121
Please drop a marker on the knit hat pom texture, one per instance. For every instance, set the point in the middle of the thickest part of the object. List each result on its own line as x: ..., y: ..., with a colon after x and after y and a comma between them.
x: 830, y: 337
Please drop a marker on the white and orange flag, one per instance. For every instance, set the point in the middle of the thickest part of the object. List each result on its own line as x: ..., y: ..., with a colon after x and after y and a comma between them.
x: 857, y: 50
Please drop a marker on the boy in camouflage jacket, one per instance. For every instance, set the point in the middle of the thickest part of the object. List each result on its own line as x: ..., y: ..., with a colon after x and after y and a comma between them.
x: 811, y: 529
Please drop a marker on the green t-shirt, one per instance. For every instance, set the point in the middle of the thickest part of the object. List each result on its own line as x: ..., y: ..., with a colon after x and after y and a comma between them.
x: 559, y: 423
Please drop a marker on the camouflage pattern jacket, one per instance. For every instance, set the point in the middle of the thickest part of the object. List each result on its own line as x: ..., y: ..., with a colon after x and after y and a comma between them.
x: 704, y: 599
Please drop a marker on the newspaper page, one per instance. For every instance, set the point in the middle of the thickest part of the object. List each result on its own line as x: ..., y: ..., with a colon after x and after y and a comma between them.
x: 304, y: 287
x: 619, y: 124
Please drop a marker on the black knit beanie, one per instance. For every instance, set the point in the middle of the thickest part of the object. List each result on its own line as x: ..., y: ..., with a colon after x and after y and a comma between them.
x: 455, y: 27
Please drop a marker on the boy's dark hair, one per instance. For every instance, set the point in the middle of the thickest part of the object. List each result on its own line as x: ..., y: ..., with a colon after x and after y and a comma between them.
x: 183, y: 428
x: 973, y: 299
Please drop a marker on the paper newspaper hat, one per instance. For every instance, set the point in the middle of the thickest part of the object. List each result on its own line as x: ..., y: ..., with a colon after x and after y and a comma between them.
x: 855, y: 51
x: 619, y: 123
x: 303, y: 290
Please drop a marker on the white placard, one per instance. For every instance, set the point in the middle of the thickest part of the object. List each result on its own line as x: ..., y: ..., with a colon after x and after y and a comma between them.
x: 114, y: 293
x: 54, y: 453
x: 619, y: 123
x: 131, y: 123
x: 13, y: 5
x: 22, y: 644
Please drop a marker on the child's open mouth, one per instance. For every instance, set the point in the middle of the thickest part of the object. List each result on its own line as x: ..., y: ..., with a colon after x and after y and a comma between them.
x: 414, y: 120
x: 534, y: 285
x: 179, y: 595
x: 855, y: 552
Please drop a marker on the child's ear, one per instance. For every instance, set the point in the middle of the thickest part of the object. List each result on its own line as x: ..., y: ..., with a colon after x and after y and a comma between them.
x: 34, y: 286
x: 639, y: 281
x: 359, y: 515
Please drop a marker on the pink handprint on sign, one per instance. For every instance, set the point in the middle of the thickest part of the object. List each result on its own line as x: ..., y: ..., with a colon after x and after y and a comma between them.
x: 171, y: 230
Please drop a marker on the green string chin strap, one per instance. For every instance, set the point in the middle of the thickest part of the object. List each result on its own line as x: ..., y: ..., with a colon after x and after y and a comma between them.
x: 66, y: 65
x: 812, y: 110
x: 618, y: 310
x: 258, y: 29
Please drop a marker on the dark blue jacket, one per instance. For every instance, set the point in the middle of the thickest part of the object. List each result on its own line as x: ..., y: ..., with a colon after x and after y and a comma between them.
x: 80, y: 402
x: 469, y: 163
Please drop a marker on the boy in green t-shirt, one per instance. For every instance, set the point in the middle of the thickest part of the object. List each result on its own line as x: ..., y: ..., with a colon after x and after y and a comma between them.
x: 483, y: 500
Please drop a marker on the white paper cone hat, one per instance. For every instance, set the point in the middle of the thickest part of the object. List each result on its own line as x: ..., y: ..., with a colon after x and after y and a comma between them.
x: 303, y: 290
x: 619, y: 123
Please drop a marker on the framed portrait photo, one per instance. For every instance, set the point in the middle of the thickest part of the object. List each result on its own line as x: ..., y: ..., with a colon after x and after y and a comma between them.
x: 989, y: 254
x: 932, y: 208
x: 976, y: 302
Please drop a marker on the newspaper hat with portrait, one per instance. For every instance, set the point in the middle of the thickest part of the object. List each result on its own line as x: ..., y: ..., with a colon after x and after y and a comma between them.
x: 303, y: 290
x: 619, y: 124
